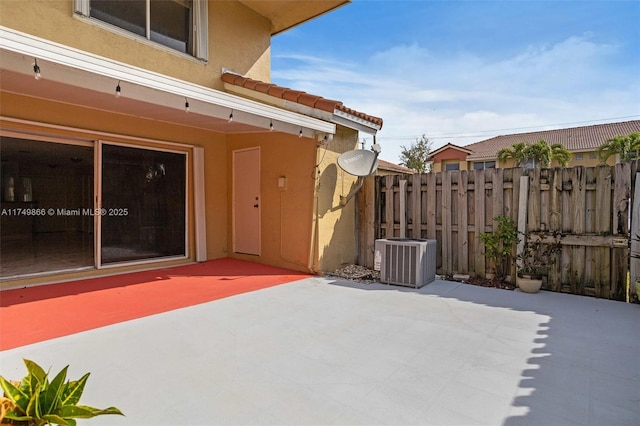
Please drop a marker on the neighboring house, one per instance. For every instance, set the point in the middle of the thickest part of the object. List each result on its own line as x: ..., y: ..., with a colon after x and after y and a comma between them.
x: 449, y: 158
x: 386, y: 168
x: 151, y: 136
x: 581, y: 141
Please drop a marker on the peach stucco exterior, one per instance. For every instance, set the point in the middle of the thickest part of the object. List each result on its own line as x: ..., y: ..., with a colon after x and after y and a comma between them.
x: 448, y: 156
x: 239, y: 39
x: 303, y: 224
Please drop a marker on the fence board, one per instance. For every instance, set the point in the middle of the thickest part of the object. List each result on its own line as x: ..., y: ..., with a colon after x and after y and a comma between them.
x: 447, y: 246
x: 497, y: 192
x: 533, y: 206
x: 577, y: 227
x: 463, y: 223
x: 479, y: 220
x: 402, y: 196
x: 554, y: 281
x: 416, y: 202
x: 388, y: 195
x: 431, y: 206
x: 635, y: 238
x: 621, y: 192
x: 367, y: 201
x: 603, y: 225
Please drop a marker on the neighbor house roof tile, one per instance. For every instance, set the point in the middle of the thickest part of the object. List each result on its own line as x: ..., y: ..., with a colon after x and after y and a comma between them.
x: 575, y: 139
x: 386, y: 165
x: 303, y: 98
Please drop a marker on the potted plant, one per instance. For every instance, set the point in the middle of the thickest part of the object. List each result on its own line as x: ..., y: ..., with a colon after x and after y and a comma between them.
x: 36, y: 401
x: 535, y: 258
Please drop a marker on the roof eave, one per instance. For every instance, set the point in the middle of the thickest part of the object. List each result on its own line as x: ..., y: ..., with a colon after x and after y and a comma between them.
x: 104, y: 68
x: 354, y: 122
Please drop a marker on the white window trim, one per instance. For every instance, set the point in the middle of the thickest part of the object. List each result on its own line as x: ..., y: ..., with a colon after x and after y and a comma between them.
x: 200, y: 26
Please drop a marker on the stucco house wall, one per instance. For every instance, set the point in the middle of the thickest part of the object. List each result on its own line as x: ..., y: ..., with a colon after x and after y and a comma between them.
x: 239, y: 38
x: 303, y: 225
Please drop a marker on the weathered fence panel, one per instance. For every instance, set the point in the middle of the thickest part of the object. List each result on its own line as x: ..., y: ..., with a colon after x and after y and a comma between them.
x: 592, y: 208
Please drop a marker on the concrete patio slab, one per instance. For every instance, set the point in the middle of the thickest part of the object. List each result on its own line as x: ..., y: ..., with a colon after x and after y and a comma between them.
x: 325, y: 352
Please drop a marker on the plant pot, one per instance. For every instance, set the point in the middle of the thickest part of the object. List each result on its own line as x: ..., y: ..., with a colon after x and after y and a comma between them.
x: 529, y: 285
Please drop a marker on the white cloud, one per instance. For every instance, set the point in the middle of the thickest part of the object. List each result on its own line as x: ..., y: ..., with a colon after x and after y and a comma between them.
x: 463, y: 98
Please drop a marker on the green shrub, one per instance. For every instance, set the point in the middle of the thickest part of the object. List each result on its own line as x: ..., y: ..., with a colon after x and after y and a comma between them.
x: 498, y: 245
x: 35, y: 401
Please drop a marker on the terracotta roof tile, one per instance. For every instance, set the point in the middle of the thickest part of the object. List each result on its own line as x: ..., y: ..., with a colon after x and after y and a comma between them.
x: 291, y: 95
x: 307, y: 99
x: 263, y: 87
x: 297, y: 96
x: 228, y: 77
x: 249, y: 83
x: 585, y: 138
x: 370, y: 118
x: 328, y: 105
x: 276, y: 91
x: 386, y: 165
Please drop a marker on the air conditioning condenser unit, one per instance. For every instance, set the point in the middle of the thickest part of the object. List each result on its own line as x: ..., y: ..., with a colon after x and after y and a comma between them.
x: 408, y: 262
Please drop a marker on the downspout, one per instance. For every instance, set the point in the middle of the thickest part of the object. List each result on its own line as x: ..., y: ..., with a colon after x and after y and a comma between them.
x: 315, y: 234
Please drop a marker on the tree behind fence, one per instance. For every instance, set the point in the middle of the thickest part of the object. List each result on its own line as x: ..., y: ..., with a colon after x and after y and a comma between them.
x: 589, y: 206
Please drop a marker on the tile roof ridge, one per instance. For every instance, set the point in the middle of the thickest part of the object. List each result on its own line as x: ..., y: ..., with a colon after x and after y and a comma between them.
x: 297, y: 96
x: 389, y: 164
x: 562, y: 129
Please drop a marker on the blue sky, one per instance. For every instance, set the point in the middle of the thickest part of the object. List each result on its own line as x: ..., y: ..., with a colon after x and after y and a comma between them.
x: 464, y: 71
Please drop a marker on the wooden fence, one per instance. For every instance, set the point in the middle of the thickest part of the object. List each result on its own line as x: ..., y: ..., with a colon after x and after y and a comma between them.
x: 590, y: 207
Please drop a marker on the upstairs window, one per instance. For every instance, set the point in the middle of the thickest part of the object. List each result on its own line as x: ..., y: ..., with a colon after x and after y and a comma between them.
x: 479, y: 165
x: 178, y: 24
x: 451, y: 167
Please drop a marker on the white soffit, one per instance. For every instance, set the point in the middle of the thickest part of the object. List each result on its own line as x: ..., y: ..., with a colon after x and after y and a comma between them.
x: 111, y: 72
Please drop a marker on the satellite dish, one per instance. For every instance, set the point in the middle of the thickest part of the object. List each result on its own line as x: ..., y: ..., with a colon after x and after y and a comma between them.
x: 359, y: 162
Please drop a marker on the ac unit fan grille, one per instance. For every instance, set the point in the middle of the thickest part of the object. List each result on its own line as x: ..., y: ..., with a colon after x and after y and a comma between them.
x: 402, y: 264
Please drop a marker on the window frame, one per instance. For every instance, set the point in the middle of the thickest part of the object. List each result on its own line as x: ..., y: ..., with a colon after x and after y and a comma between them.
x: 455, y: 167
x: 98, y: 197
x: 198, y: 34
x: 491, y: 164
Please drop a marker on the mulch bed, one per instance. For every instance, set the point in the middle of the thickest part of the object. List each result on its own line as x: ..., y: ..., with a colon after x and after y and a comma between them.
x: 364, y: 275
x: 484, y: 282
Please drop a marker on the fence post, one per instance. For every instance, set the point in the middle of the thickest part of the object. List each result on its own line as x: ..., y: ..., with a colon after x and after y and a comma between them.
x: 366, y: 222
x: 479, y: 220
x: 389, y: 219
x: 403, y: 208
x: 523, y: 201
x: 635, y: 238
x: 416, y: 204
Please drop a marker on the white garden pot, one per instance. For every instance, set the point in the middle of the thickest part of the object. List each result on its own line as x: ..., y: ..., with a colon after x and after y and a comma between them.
x: 529, y: 285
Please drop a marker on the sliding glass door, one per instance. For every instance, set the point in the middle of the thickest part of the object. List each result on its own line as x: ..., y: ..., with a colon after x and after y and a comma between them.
x: 143, y: 210
x: 70, y: 205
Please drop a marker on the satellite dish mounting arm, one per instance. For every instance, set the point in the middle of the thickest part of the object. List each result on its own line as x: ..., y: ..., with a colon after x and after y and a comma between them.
x: 376, y: 150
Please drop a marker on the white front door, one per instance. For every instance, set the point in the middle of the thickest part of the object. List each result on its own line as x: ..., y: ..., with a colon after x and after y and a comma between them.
x: 246, y: 201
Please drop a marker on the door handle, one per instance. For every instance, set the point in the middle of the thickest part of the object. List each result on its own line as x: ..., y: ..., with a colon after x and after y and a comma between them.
x: 255, y: 205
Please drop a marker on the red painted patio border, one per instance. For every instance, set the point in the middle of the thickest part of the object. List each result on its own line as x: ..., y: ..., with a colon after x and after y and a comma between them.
x: 35, y: 314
